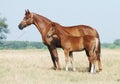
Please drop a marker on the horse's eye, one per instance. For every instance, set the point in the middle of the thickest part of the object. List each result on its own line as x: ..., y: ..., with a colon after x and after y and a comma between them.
x: 27, y: 18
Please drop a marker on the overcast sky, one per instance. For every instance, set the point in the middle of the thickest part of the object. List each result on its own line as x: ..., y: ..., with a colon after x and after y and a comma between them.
x: 103, y: 15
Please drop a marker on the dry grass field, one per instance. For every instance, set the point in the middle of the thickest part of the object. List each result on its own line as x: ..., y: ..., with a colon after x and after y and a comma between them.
x: 34, y: 67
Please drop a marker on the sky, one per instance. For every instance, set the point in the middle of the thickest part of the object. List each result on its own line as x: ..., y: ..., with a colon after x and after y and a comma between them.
x: 103, y: 15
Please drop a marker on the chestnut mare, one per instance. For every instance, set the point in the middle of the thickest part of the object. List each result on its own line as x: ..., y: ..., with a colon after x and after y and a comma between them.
x: 43, y: 24
x: 74, y: 43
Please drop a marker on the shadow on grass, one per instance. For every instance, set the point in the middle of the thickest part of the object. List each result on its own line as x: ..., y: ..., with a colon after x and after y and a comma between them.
x: 78, y: 69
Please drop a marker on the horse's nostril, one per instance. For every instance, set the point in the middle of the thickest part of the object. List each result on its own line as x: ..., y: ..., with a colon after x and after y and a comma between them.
x: 48, y: 36
x: 20, y: 26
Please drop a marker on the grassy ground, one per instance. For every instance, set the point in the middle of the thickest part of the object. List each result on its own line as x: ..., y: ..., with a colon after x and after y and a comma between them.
x: 34, y: 67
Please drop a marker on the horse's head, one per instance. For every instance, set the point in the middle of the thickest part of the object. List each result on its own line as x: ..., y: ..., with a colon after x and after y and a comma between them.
x: 27, y: 20
x: 51, y: 30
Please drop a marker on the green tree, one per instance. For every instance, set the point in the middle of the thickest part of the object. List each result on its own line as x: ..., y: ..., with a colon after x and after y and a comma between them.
x: 117, y: 42
x: 3, y: 29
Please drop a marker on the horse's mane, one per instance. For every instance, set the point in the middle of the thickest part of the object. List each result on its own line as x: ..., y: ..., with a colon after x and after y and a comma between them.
x: 43, y: 18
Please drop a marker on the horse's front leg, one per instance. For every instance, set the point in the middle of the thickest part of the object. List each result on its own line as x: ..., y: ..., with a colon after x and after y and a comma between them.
x: 54, y: 57
x: 66, y: 59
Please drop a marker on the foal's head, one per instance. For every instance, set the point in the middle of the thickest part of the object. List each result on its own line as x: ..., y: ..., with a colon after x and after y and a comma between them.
x: 27, y: 20
x: 52, y: 30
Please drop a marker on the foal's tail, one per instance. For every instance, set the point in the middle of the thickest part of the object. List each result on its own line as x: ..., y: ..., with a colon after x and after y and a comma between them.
x: 96, y: 45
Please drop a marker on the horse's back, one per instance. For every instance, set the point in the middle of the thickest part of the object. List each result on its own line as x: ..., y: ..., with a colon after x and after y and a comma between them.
x: 80, y: 30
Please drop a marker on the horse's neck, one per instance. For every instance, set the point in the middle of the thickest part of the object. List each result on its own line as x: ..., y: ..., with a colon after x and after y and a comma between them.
x: 41, y: 23
x: 63, y: 28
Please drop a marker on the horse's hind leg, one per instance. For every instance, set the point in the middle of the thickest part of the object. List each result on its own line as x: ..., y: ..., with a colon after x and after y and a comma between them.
x: 98, y: 56
x: 92, y: 60
x: 89, y: 66
x: 99, y: 63
x: 72, y: 60
x: 92, y: 64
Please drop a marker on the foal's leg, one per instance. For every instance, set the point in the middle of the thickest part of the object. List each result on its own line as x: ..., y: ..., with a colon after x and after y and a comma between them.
x: 72, y: 60
x: 66, y: 59
x: 54, y: 57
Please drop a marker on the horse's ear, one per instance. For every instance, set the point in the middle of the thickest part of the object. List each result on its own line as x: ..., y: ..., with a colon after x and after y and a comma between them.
x: 27, y: 12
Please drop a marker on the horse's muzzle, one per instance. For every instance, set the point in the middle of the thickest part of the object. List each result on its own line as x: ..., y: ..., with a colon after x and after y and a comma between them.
x: 20, y: 27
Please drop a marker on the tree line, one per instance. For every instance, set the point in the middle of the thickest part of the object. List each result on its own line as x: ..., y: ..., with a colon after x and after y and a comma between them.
x: 115, y: 44
x: 21, y: 45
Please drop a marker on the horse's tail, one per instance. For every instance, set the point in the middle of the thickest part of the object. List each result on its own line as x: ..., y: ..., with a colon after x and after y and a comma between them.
x: 98, y: 52
x: 99, y: 48
x: 99, y: 44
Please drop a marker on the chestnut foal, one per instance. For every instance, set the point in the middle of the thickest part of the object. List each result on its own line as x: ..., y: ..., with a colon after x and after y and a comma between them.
x: 71, y: 43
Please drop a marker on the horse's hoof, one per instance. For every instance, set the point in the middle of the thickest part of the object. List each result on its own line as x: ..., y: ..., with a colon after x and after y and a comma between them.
x: 58, y: 69
x: 100, y: 70
x: 54, y: 68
